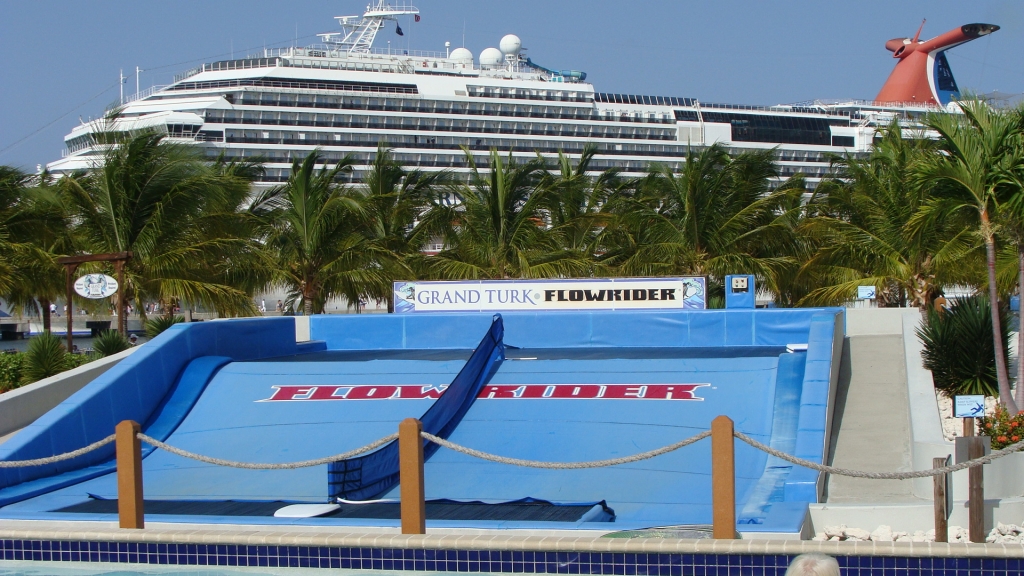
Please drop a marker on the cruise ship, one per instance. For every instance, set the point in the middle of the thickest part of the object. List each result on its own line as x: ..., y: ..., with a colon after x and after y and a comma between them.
x: 344, y: 97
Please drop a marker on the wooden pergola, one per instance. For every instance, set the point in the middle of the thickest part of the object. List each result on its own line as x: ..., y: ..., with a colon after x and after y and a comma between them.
x: 71, y: 264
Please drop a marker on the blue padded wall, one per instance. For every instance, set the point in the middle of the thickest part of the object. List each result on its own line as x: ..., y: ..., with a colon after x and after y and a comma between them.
x: 705, y: 328
x: 134, y: 388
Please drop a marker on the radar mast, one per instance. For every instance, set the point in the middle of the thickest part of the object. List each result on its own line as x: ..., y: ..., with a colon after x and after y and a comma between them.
x: 358, y: 36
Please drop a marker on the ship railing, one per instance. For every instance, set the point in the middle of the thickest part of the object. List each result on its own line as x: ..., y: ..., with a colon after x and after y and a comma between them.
x: 145, y: 93
x: 861, y: 103
x: 332, y: 51
x: 187, y: 74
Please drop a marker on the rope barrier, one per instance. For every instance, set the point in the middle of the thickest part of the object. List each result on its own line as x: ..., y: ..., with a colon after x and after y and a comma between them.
x: 259, y: 466
x: 566, y: 465
x: 58, y: 457
x: 881, y: 475
x: 527, y: 463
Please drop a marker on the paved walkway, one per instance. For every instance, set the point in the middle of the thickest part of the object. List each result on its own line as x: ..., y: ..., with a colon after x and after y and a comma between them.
x: 871, y: 429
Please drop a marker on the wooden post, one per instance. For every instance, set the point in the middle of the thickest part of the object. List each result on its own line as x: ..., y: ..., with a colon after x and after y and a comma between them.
x: 723, y: 478
x: 939, y: 498
x: 69, y: 272
x: 410, y: 474
x: 968, y: 427
x: 976, y: 490
x: 129, y: 475
x: 122, y: 306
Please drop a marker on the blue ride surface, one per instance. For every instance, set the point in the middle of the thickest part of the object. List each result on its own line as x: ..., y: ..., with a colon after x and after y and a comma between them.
x: 566, y: 386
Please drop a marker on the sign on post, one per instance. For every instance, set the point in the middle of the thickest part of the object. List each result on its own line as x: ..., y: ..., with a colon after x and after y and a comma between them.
x: 969, y: 406
x: 865, y: 292
x: 686, y: 293
x: 96, y: 286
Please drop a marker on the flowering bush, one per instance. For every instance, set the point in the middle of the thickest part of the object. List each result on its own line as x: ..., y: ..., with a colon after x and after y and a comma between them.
x: 1003, y: 428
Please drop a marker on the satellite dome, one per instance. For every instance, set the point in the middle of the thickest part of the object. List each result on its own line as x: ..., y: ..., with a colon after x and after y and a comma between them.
x: 461, y: 56
x: 510, y: 44
x: 491, y: 57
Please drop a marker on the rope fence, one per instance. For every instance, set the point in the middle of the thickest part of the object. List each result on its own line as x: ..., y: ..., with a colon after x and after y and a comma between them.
x: 57, y: 458
x: 881, y: 475
x: 410, y: 439
x: 565, y: 465
x: 523, y: 462
x: 268, y: 466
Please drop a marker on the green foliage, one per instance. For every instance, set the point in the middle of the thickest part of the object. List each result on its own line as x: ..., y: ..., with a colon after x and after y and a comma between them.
x: 155, y: 326
x: 10, y: 371
x: 1002, y: 428
x: 110, y: 342
x: 958, y: 347
x: 182, y: 217
x: 76, y: 360
x: 315, y: 229
x: 45, y: 357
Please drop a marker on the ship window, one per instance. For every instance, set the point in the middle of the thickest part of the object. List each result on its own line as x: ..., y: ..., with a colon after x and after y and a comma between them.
x: 845, y: 141
x: 774, y: 129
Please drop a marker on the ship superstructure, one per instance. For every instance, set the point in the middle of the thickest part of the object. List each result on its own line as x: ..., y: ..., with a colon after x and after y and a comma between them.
x: 344, y: 97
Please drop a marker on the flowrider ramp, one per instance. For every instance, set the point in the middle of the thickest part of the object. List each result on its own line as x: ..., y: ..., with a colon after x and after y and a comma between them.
x: 560, y: 387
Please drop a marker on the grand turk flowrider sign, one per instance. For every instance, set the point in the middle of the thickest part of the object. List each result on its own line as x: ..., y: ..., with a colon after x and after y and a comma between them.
x: 585, y: 294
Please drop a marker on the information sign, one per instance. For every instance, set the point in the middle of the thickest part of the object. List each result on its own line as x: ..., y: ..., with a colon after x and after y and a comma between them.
x: 535, y: 295
x: 866, y: 292
x: 969, y: 406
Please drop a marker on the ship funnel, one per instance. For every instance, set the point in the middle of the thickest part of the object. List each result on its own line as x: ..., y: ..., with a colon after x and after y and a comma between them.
x: 923, y: 75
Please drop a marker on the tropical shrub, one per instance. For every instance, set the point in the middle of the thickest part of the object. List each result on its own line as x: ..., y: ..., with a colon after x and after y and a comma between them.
x: 1003, y: 428
x: 958, y: 347
x: 10, y: 371
x: 45, y: 357
x: 76, y: 360
x: 157, y: 325
x: 110, y: 342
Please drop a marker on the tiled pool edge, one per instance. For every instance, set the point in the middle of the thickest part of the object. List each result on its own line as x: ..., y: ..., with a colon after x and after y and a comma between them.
x: 513, y: 542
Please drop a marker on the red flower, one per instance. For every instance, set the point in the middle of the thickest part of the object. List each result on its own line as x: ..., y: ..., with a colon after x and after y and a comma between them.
x: 988, y: 425
x: 1015, y: 438
x: 1001, y: 438
x: 1013, y: 424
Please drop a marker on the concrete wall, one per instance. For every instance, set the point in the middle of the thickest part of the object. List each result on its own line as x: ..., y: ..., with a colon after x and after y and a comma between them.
x: 1004, y: 478
x: 21, y: 407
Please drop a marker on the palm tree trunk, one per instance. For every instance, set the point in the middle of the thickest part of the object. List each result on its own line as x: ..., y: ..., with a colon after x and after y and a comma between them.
x: 45, y: 305
x: 307, y: 304
x: 1019, y: 399
x: 1002, y: 376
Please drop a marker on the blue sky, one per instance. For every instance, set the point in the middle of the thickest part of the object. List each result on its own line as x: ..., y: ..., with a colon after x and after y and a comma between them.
x: 61, y: 58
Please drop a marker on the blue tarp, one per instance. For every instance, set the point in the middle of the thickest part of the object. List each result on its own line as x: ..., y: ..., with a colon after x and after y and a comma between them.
x: 367, y: 476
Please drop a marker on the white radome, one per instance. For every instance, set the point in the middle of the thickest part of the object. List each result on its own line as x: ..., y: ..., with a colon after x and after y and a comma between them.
x: 510, y: 44
x: 461, y: 56
x: 491, y: 57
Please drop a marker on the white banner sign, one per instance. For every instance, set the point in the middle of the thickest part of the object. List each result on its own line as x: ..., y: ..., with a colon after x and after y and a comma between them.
x: 584, y: 294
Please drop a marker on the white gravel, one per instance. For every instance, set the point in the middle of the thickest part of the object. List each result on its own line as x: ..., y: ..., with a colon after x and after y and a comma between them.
x: 1001, y: 534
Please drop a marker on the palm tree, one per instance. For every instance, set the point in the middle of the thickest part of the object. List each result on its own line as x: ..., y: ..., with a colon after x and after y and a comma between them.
x: 500, y: 230
x: 1012, y: 225
x: 575, y: 203
x: 12, y: 191
x: 867, y: 229
x: 980, y: 164
x: 314, y: 231
x: 43, y: 225
x: 154, y: 199
x: 717, y: 215
x: 394, y: 203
